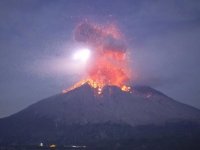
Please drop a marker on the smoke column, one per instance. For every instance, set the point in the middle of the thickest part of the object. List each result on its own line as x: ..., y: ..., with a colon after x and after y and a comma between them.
x: 108, y: 65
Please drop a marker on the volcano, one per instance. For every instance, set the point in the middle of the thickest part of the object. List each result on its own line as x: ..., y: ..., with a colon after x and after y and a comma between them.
x: 81, y: 116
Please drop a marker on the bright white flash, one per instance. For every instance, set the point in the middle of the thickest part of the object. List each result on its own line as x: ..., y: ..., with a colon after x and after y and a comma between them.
x: 82, y: 55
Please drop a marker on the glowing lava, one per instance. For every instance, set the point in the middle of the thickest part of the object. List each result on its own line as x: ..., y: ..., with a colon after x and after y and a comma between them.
x: 108, y: 64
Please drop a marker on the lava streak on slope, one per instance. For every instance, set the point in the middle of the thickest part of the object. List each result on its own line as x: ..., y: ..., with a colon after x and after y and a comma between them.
x: 108, y: 64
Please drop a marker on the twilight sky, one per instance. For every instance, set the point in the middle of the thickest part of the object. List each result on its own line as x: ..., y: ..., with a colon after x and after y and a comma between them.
x: 36, y: 43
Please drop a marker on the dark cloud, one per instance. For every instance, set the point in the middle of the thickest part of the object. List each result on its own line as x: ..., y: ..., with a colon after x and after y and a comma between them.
x: 114, y: 44
x: 87, y: 33
x: 95, y: 35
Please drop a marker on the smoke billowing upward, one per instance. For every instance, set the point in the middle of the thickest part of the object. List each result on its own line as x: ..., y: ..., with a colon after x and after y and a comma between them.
x: 108, y: 37
x: 109, y: 63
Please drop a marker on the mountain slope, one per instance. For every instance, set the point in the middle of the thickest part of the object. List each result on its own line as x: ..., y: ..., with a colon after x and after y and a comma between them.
x: 83, y: 105
x: 81, y: 115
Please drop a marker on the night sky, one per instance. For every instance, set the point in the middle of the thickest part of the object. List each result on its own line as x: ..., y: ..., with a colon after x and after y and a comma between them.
x: 36, y: 40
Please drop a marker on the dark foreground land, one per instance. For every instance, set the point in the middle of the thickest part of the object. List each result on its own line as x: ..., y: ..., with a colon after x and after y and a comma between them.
x: 35, y: 147
x: 182, y: 136
x: 162, y: 143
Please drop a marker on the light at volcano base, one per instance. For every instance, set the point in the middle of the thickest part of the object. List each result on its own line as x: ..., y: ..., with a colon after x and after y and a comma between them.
x: 82, y: 55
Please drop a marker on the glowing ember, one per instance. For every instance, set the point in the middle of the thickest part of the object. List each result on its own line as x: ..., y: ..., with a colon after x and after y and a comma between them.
x: 108, y: 64
x: 125, y: 88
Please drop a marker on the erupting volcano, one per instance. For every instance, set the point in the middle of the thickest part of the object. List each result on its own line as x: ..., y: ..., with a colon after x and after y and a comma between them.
x: 108, y: 64
x: 103, y: 111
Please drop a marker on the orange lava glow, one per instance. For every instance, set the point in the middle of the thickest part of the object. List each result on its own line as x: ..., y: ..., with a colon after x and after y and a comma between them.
x: 109, y: 63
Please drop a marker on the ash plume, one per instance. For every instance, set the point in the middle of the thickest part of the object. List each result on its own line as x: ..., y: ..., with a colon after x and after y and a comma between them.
x: 109, y: 63
x: 109, y: 37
